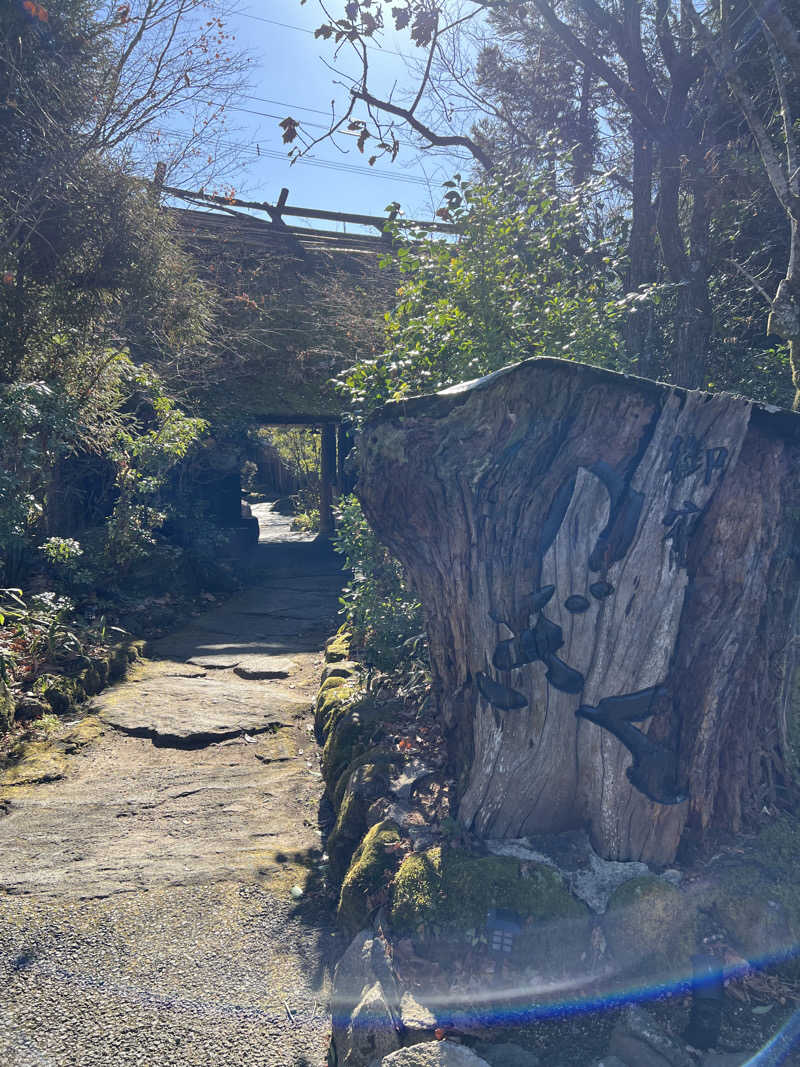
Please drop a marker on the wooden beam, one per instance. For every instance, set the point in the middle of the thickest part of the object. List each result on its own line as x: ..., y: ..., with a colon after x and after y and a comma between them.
x: 327, y: 479
x: 276, y: 211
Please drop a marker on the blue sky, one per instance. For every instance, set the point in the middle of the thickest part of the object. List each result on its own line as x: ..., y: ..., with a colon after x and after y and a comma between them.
x: 289, y: 77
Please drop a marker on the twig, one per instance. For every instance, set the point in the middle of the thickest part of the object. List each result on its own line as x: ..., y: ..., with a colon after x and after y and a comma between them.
x: 291, y: 1017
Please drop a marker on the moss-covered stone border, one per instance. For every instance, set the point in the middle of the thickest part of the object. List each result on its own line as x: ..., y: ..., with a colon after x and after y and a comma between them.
x: 65, y: 692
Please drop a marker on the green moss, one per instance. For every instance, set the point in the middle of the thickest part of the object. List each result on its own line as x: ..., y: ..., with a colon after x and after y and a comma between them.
x: 378, y: 756
x: 756, y: 896
x: 364, y: 785
x: 84, y: 733
x: 352, y: 731
x: 650, y: 925
x: 6, y: 707
x: 338, y: 648
x: 61, y: 693
x: 331, y: 702
x: 367, y: 875
x: 449, y: 889
x: 330, y: 683
x: 64, y: 693
x: 34, y: 762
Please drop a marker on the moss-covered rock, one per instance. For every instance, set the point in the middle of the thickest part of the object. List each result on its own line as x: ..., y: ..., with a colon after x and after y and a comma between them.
x: 338, y: 648
x: 382, y: 758
x: 342, y: 669
x: 63, y: 694
x: 650, y: 926
x: 6, y: 707
x: 367, y: 874
x: 331, y: 702
x: 754, y: 893
x: 29, y: 708
x: 365, y: 784
x: 353, y: 730
x: 118, y: 660
x: 450, y: 891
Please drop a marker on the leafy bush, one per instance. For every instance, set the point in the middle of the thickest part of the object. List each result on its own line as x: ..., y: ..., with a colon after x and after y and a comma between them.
x: 41, y: 633
x: 144, y: 458
x: 385, y: 620
x: 525, y: 278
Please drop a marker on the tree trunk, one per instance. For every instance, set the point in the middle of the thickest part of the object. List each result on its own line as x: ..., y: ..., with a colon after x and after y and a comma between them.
x: 784, y: 313
x: 609, y: 577
x: 693, y: 317
x: 642, y: 251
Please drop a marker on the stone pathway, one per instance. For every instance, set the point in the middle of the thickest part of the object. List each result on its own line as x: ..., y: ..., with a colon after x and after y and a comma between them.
x: 146, y: 913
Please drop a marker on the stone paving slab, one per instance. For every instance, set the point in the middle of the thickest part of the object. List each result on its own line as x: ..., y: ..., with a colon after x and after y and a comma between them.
x: 146, y: 913
x: 211, y: 707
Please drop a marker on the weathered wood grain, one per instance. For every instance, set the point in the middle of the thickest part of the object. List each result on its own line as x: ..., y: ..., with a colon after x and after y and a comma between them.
x: 665, y: 522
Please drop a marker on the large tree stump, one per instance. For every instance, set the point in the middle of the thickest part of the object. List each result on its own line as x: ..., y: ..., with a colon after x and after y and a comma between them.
x: 610, y: 572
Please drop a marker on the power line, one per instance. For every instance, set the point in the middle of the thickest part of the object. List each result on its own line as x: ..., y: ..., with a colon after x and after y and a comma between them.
x: 268, y: 115
x: 256, y: 151
x: 282, y: 103
x: 304, y: 29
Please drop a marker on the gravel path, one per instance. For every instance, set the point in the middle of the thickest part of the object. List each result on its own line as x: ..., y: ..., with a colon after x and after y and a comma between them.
x: 146, y: 914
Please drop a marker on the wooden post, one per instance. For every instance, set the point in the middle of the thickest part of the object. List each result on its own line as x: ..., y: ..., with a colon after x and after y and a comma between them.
x: 342, y: 448
x: 327, y: 477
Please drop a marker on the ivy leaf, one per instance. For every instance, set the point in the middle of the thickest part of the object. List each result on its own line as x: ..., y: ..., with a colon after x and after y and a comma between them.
x: 351, y: 10
x: 324, y: 31
x: 362, y: 140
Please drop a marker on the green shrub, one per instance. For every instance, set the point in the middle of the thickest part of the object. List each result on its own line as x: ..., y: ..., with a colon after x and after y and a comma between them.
x: 383, y: 617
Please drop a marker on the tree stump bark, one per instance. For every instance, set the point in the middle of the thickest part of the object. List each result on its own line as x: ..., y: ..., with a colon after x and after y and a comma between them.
x: 610, y: 569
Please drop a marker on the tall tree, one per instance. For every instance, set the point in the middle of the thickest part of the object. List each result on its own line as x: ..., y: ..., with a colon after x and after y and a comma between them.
x: 632, y: 73
x: 772, y: 112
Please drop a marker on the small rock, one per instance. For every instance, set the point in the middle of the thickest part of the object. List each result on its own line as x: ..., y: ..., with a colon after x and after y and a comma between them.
x: 363, y: 966
x: 371, y: 1033
x: 415, y: 1018
x: 29, y: 708
x: 297, y: 892
x: 434, y: 1054
x: 639, y: 1041
x: 506, y: 1054
x: 259, y: 668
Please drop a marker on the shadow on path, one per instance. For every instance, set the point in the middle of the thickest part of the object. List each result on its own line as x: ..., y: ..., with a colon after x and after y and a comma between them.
x: 146, y: 912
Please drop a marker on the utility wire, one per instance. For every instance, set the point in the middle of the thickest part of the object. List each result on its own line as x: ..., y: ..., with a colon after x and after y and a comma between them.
x: 304, y: 29
x: 256, y: 151
x: 282, y: 103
